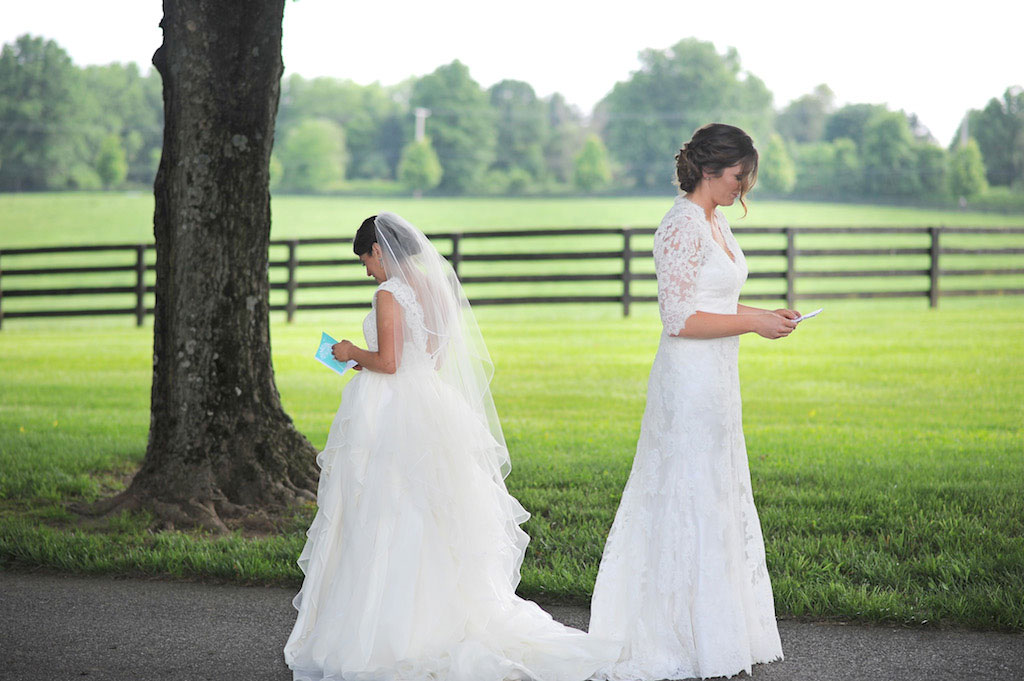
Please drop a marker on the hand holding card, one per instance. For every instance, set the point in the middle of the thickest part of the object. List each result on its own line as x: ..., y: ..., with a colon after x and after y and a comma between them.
x: 326, y: 357
x: 809, y: 315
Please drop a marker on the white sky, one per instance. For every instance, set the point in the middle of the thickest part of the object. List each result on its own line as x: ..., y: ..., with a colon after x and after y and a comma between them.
x: 915, y: 56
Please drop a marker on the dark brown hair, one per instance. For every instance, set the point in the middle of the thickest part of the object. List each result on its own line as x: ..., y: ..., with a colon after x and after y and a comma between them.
x: 712, y: 149
x: 366, y: 236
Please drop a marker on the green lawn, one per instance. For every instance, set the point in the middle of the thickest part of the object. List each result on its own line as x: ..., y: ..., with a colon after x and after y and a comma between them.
x: 886, y: 444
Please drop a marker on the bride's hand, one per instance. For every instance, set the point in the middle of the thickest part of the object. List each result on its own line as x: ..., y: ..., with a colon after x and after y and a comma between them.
x: 774, y: 325
x: 788, y: 314
x: 342, y: 351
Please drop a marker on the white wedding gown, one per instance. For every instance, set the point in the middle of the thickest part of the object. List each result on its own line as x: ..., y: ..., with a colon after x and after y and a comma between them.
x: 413, y: 558
x: 683, y: 583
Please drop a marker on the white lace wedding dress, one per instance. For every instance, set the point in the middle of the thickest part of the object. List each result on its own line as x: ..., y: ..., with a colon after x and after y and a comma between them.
x: 683, y: 583
x: 413, y: 558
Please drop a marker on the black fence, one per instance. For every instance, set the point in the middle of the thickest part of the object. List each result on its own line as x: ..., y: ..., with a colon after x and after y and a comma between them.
x: 928, y: 256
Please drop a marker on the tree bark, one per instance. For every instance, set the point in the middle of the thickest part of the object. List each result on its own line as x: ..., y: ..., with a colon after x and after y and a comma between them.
x: 220, y: 444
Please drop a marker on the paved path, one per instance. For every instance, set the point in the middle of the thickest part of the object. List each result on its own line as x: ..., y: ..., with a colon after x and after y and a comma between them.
x: 54, y: 628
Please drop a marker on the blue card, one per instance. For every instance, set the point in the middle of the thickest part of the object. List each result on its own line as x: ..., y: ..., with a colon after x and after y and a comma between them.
x: 323, y: 354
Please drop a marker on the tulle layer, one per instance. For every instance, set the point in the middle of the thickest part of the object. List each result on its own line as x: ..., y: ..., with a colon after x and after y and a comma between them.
x: 412, y: 560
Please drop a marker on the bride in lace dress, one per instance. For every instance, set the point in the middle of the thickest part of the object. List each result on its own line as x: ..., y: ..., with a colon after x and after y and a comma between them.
x: 683, y: 584
x: 413, y: 558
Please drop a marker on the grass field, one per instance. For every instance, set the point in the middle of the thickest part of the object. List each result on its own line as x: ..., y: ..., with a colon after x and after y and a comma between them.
x: 886, y: 440
x: 886, y: 444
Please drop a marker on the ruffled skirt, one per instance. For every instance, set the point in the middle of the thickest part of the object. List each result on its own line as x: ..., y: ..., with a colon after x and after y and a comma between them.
x: 412, y: 560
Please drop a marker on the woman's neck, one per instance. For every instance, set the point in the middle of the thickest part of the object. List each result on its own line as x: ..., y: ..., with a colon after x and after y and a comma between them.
x: 704, y: 200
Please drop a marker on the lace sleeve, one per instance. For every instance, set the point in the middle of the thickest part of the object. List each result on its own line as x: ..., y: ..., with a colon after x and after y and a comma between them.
x: 678, y: 256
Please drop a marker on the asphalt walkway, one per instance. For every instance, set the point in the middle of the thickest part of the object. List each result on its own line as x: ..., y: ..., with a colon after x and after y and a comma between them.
x: 56, y: 627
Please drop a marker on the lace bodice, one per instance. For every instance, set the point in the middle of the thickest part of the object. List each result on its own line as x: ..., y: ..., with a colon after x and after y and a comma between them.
x: 414, y: 347
x: 694, y: 271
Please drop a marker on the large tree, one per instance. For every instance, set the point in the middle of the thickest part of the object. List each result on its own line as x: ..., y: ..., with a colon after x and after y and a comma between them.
x: 220, y: 444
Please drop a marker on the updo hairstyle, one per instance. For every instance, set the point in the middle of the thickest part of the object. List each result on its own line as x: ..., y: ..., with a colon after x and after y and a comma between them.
x: 712, y: 149
x: 366, y: 237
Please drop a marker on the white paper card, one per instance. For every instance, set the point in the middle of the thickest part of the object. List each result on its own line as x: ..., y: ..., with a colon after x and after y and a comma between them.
x: 809, y: 315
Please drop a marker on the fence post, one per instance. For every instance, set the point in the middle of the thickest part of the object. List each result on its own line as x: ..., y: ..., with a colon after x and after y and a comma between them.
x: 293, y: 263
x: 627, y: 274
x: 456, y: 253
x: 140, y: 284
x: 790, y: 268
x: 933, y: 268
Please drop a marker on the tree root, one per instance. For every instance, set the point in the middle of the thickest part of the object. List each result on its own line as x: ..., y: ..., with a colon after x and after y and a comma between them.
x: 217, y: 517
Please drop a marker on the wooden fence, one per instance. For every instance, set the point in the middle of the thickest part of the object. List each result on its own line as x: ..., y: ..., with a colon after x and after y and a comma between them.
x: 931, y: 252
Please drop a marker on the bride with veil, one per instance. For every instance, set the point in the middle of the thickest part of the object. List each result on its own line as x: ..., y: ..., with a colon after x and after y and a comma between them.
x: 413, y: 558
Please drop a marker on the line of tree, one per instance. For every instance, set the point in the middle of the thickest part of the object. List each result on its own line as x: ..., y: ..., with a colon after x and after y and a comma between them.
x: 64, y: 127
x: 866, y: 149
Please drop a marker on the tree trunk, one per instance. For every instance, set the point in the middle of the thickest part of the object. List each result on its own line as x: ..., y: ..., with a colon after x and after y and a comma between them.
x: 220, y: 444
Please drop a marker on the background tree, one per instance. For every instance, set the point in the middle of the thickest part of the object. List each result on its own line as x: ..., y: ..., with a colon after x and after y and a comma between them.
x: 647, y: 117
x: 366, y: 113
x: 220, y: 444
x: 313, y: 157
x: 565, y: 138
x: 890, y: 162
x: 461, y: 124
x: 112, y: 162
x: 593, y: 170
x: 850, y: 121
x: 118, y: 100
x: 814, y: 164
x: 828, y: 169
x: 419, y: 169
x: 775, y: 170
x: 847, y: 175
x: 39, y: 94
x: 521, y: 126
x: 967, y: 171
x: 999, y: 132
x: 803, y: 120
x: 932, y: 169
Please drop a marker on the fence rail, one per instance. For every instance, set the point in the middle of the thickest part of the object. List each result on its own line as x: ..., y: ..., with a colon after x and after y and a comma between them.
x: 627, y: 254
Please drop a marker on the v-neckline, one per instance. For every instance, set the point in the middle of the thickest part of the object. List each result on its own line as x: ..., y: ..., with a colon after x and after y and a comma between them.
x: 711, y: 227
x: 724, y: 248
